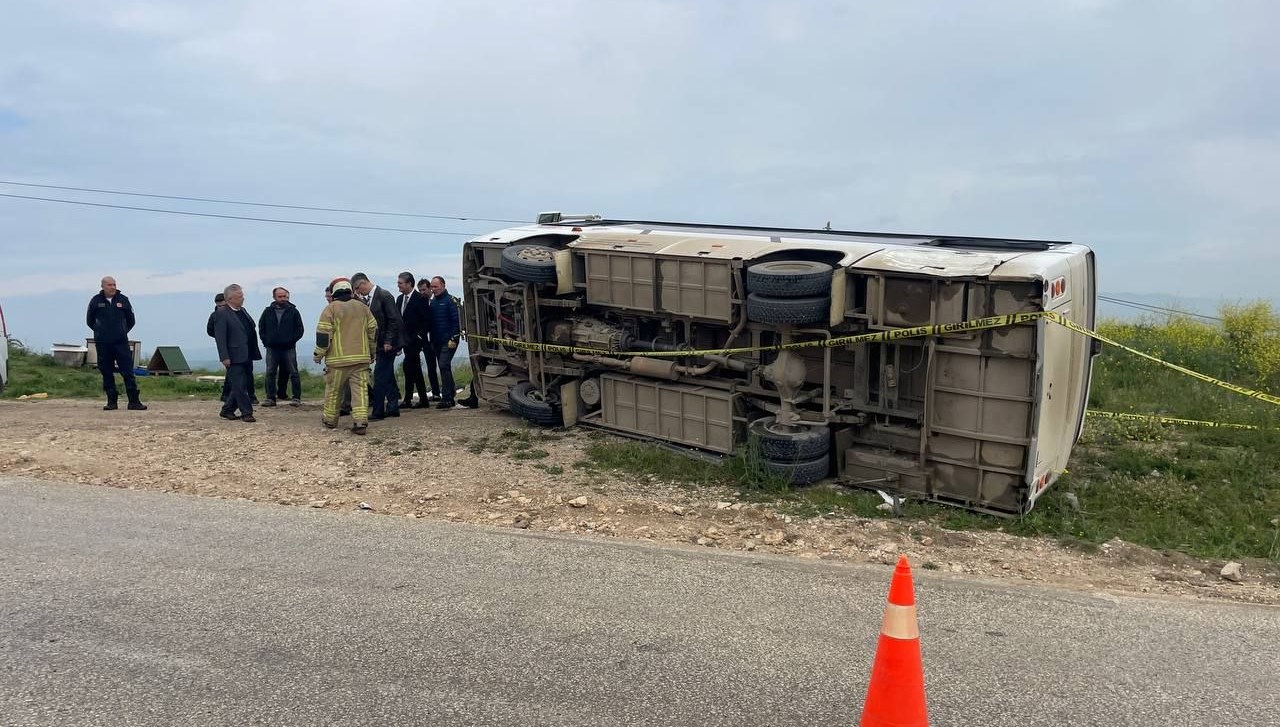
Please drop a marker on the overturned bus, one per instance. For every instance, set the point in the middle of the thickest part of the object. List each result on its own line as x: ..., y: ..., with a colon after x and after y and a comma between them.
x: 707, y: 337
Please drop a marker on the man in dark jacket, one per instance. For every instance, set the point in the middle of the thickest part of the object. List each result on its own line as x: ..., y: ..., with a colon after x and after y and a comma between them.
x: 414, y: 313
x: 219, y: 301
x: 445, y: 328
x: 386, y: 393
x: 237, y: 349
x: 280, y: 327
x: 110, y: 316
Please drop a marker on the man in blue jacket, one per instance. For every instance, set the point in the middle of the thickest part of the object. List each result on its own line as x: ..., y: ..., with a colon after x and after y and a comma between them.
x: 445, y: 327
x: 280, y: 327
x: 110, y: 316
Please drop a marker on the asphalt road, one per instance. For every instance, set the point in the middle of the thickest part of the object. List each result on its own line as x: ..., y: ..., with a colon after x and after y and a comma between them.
x: 140, y: 608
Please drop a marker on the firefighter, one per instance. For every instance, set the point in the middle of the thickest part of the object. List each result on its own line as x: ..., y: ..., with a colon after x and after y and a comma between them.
x: 345, y: 338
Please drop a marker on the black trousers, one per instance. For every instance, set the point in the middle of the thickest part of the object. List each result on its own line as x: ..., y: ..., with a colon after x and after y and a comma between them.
x: 226, y: 387
x: 109, y: 356
x: 386, y: 393
x: 444, y: 360
x: 433, y: 367
x: 282, y: 368
x: 412, y: 368
x: 241, y: 377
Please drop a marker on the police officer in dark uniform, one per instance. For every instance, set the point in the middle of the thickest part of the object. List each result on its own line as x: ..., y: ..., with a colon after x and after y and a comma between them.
x: 110, y: 316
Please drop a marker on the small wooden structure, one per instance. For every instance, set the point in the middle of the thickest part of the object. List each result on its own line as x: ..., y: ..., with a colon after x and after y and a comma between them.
x: 168, y: 361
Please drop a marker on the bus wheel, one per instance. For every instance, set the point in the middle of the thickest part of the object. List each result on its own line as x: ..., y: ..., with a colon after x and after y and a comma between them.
x: 529, y: 263
x: 527, y: 402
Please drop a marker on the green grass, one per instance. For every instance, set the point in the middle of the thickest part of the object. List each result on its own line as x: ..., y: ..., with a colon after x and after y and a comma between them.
x: 34, y: 373
x: 518, y: 444
x: 1203, y: 491
x: 1208, y: 492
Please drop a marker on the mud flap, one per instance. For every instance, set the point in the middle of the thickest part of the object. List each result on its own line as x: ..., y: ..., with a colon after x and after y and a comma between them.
x: 569, y: 404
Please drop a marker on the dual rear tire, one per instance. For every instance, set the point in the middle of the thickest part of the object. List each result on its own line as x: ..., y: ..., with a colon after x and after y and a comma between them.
x: 799, y: 455
x: 789, y: 292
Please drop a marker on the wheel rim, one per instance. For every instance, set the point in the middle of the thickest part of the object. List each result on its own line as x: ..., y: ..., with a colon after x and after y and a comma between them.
x: 539, y: 397
x: 535, y: 255
x: 790, y: 267
x: 784, y: 430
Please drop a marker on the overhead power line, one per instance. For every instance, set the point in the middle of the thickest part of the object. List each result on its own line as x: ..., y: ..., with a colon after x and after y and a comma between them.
x: 242, y: 217
x: 1147, y: 307
x: 263, y: 204
x: 1155, y: 308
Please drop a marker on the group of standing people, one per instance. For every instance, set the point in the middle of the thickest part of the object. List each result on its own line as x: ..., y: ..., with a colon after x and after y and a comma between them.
x: 362, y: 324
x: 422, y: 320
x: 279, y: 328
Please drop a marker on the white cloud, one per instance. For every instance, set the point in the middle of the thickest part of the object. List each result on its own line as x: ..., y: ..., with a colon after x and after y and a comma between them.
x: 1094, y: 120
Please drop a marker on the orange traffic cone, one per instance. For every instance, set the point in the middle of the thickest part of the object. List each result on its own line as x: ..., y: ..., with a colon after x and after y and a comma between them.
x: 895, y: 697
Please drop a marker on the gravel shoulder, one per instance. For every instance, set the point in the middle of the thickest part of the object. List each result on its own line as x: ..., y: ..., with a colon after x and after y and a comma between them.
x: 427, y: 464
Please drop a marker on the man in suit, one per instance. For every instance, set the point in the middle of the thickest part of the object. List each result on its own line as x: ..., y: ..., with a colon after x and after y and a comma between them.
x: 386, y: 393
x: 433, y: 370
x: 237, y: 338
x: 413, y: 313
x: 110, y: 316
x: 219, y: 302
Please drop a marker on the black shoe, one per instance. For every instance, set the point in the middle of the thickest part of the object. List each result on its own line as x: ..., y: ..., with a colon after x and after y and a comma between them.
x: 248, y: 418
x: 422, y: 404
x: 327, y: 425
x: 377, y: 417
x: 359, y: 429
x: 136, y: 405
x: 254, y: 401
x: 228, y: 415
x: 406, y: 404
x: 395, y: 413
x: 111, y: 404
x: 344, y: 412
x: 268, y: 402
x: 446, y: 405
x: 470, y: 402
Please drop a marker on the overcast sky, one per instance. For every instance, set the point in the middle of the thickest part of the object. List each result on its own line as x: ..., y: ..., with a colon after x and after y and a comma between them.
x: 1148, y: 130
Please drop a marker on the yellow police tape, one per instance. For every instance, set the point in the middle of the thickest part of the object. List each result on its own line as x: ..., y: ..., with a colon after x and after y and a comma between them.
x: 895, y: 334
x: 1166, y: 420
x: 1260, y: 396
x: 978, y: 324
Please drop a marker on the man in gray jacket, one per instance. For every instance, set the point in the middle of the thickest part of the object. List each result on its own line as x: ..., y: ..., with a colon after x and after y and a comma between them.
x: 236, y: 334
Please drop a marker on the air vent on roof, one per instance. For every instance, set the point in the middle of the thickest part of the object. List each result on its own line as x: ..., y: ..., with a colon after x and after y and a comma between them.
x: 983, y: 243
x: 552, y: 218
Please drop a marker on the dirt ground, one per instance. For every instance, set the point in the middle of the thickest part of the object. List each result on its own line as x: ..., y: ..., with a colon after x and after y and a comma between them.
x: 428, y: 464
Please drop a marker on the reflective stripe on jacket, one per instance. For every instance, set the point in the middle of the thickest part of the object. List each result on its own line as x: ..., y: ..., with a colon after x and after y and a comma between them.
x: 351, y: 330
